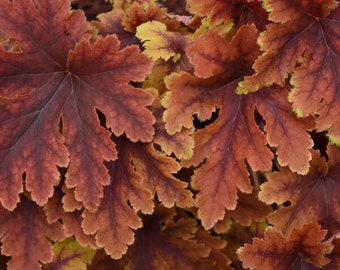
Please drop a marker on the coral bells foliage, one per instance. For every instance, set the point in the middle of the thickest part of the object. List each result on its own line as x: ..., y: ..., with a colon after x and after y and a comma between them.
x: 169, y: 134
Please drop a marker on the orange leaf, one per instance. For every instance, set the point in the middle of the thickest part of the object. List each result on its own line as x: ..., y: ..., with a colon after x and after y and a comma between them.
x: 234, y: 136
x: 218, y: 11
x: 24, y: 236
x: 314, y: 196
x: 116, y: 218
x: 304, y: 45
x: 302, y: 249
x: 284, y: 130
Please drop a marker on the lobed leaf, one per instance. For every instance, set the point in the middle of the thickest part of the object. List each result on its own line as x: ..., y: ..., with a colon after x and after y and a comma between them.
x: 156, y: 171
x: 301, y: 250
x: 222, y: 11
x: 24, y: 234
x: 314, y: 196
x: 304, y: 45
x: 69, y: 255
x: 168, y: 243
x: 114, y: 221
x: 164, y: 44
x: 71, y: 221
x: 48, y: 110
x: 249, y: 208
x: 285, y: 131
x: 234, y: 136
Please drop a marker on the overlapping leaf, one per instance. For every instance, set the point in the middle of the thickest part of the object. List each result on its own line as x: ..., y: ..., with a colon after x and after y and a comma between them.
x: 314, y: 196
x: 164, y: 44
x: 180, y: 144
x: 69, y: 255
x: 248, y: 209
x: 222, y: 143
x: 221, y: 11
x: 168, y: 243
x: 284, y: 130
x: 304, y: 45
x: 114, y: 221
x: 303, y: 249
x: 71, y: 221
x: 48, y: 109
x: 24, y: 234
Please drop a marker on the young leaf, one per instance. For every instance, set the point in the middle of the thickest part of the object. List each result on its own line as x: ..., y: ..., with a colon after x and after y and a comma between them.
x: 164, y: 44
x: 24, y: 234
x: 304, y: 44
x: 302, y: 249
x: 48, y: 110
x: 314, y: 196
x: 69, y: 255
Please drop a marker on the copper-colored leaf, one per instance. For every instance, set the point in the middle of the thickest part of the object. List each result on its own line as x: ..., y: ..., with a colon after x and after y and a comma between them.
x: 217, y: 258
x: 248, y: 209
x: 334, y: 256
x: 139, y: 13
x: 180, y: 144
x: 284, y: 130
x: 71, y: 220
x: 116, y: 218
x: 303, y: 248
x: 234, y: 136
x: 156, y: 171
x: 314, y: 196
x: 24, y: 234
x: 168, y: 243
x: 304, y: 45
x: 48, y: 109
x: 219, y: 11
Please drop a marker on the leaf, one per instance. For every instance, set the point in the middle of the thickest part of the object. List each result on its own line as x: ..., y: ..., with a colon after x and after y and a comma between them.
x: 48, y: 110
x: 216, y: 257
x: 314, y: 196
x: 156, y: 171
x: 304, y: 45
x: 24, y: 234
x: 334, y: 256
x: 111, y: 23
x: 139, y: 13
x: 248, y: 209
x: 233, y: 137
x: 221, y: 11
x: 180, y: 144
x: 164, y: 44
x: 303, y: 248
x: 285, y: 131
x: 167, y: 243
x: 237, y: 235
x: 114, y: 221
x: 69, y: 255
x: 71, y: 220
